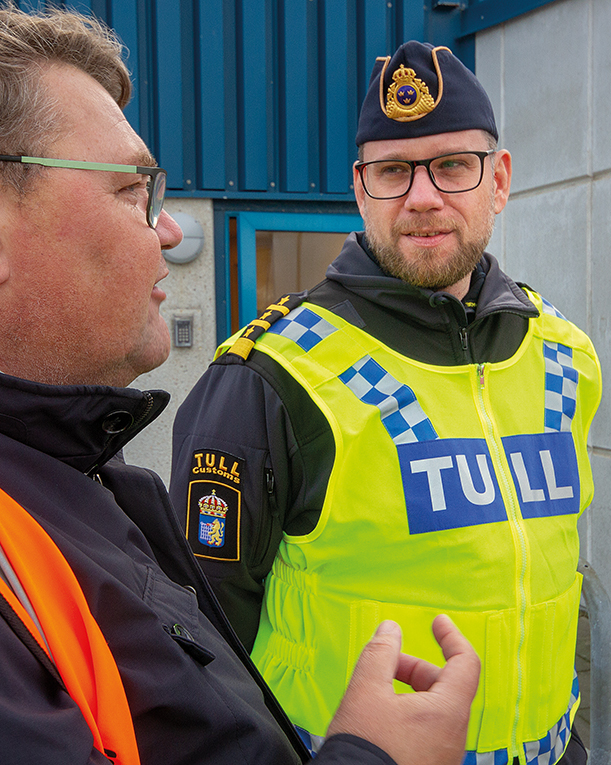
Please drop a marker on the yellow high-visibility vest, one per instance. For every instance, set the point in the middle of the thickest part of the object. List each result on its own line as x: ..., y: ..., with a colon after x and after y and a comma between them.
x: 453, y: 489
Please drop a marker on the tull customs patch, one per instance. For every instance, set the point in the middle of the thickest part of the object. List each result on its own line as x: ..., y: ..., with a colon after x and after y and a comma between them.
x: 214, y: 505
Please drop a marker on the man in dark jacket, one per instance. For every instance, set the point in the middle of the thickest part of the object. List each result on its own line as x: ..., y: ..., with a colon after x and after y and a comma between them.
x: 114, y: 648
x: 391, y: 443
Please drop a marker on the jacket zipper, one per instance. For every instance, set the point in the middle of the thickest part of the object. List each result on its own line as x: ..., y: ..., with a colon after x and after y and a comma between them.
x: 520, y: 543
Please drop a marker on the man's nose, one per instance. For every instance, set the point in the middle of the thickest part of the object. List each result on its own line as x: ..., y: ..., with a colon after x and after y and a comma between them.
x: 168, y: 231
x: 423, y: 195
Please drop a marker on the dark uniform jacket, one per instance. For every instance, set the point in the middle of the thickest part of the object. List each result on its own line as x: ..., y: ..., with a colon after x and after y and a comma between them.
x: 255, y: 413
x: 192, y: 690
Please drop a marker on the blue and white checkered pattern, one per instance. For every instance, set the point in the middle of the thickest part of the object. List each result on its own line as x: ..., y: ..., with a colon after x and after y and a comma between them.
x: 401, y: 414
x: 551, y: 310
x: 560, y: 387
x: 549, y: 749
x: 313, y: 743
x: 546, y: 751
x: 500, y: 757
x: 303, y: 326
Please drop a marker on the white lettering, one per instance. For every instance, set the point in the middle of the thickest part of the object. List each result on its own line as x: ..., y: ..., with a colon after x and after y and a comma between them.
x: 485, y: 497
x: 555, y: 492
x: 528, y: 494
x: 433, y: 467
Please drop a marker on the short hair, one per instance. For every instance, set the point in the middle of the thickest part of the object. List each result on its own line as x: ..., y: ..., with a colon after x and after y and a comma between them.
x: 29, y: 44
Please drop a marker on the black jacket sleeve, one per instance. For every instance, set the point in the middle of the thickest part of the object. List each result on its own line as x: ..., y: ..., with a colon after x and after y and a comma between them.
x: 262, y: 425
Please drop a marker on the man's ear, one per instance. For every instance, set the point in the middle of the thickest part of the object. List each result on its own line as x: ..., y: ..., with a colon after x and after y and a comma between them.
x: 4, y: 269
x: 502, y: 179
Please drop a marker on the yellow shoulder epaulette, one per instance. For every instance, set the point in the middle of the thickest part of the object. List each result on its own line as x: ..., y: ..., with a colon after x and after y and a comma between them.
x: 244, y: 344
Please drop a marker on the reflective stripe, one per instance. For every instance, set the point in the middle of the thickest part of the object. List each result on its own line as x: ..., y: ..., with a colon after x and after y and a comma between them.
x: 12, y: 580
x: 313, y: 743
x: 560, y: 387
x: 304, y: 327
x: 548, y: 308
x: 402, y: 415
x: 547, y: 751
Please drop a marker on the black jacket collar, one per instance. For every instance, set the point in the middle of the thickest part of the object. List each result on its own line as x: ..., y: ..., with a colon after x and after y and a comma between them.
x: 355, y: 268
x: 83, y: 426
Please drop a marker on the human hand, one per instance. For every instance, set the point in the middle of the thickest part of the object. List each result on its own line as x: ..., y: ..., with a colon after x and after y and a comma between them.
x: 428, y: 727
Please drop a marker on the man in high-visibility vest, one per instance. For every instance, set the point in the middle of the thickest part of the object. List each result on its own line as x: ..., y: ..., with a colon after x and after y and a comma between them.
x: 113, y: 648
x: 409, y: 435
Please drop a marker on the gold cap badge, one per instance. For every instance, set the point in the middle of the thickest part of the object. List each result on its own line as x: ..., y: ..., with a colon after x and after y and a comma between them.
x: 408, y: 97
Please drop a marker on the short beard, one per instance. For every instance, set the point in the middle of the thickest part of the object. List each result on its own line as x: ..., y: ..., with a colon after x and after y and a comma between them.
x: 424, y: 269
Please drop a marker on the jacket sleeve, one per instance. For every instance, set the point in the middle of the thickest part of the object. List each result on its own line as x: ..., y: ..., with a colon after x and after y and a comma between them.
x: 245, y: 436
x: 345, y: 748
x: 39, y: 722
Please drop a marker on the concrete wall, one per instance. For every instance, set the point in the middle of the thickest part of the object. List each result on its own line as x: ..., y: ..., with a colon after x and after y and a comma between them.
x: 190, y: 292
x: 548, y: 74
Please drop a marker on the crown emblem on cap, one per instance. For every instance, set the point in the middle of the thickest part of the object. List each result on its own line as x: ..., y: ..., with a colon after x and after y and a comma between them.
x: 408, y: 97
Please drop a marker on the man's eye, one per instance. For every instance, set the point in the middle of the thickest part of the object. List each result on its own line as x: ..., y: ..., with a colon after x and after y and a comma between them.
x: 134, y: 188
x: 448, y: 164
x: 391, y: 170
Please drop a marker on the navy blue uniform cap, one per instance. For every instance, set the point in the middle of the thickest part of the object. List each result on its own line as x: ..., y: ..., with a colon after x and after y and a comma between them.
x: 420, y: 91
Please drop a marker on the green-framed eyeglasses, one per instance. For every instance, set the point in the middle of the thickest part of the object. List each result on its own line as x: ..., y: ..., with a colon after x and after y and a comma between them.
x: 156, y: 187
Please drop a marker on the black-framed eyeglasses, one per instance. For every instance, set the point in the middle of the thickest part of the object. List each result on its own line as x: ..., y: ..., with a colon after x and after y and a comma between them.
x: 449, y: 173
x: 155, y: 188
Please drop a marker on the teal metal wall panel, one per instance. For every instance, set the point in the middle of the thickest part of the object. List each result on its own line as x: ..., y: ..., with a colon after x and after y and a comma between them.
x: 251, y: 93
x: 169, y: 88
x: 293, y: 104
x: 124, y: 20
x: 334, y: 96
x: 259, y: 99
x: 482, y: 14
x: 210, y: 89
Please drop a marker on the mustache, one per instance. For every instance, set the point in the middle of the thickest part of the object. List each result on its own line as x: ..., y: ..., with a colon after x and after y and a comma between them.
x: 422, y: 223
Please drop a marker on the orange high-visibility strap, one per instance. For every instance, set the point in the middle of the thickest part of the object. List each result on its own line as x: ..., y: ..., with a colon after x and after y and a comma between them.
x: 78, y: 648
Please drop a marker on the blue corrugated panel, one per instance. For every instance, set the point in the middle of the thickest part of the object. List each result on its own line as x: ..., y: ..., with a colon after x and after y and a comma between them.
x: 413, y: 22
x: 124, y: 19
x: 210, y: 88
x: 335, y: 176
x: 486, y: 13
x: 294, y: 118
x: 251, y: 94
x: 259, y: 99
x: 375, y: 32
x: 169, y: 88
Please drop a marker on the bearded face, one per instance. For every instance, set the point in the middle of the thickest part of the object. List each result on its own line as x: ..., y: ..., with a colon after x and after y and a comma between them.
x: 429, y: 238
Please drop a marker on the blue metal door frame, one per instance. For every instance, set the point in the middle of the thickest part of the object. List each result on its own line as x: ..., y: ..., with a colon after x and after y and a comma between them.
x: 248, y: 223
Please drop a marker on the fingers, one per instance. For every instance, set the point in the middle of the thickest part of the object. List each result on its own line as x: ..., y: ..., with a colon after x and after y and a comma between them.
x: 416, y: 672
x: 461, y: 672
x: 429, y: 728
x: 370, y: 688
x: 463, y: 667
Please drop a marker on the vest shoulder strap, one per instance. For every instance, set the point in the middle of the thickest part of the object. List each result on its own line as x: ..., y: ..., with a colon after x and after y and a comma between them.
x: 282, y: 307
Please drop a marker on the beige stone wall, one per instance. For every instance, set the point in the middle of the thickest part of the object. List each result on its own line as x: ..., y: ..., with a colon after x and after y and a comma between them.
x: 190, y: 291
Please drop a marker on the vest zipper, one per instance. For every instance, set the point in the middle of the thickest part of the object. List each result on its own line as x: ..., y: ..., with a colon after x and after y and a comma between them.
x: 520, y: 543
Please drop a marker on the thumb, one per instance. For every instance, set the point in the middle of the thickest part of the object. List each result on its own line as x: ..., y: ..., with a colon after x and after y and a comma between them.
x: 380, y: 657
